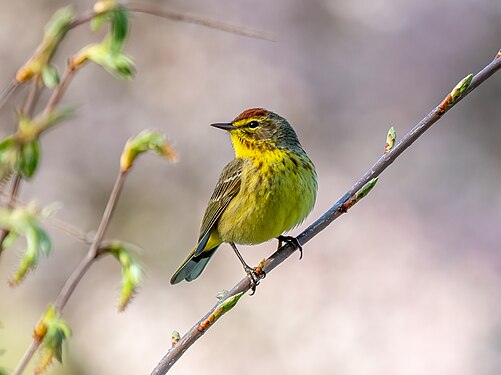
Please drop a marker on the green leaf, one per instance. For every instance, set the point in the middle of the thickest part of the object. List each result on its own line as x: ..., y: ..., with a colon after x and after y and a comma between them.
x: 7, y: 143
x: 50, y: 76
x: 55, y: 117
x: 105, y: 54
x: 42, y: 240
x: 119, y: 18
x: 59, y: 23
x: 97, y: 22
x: 9, y: 155
x: 132, y: 273
x: 175, y: 337
x: 53, y: 331
x: 57, y: 332
x: 146, y: 141
x: 390, y: 139
x: 122, y: 66
x: 28, y: 160
x: 364, y: 190
x: 55, y: 30
x: 25, y: 221
x: 9, y: 240
x: 461, y: 87
x: 227, y: 305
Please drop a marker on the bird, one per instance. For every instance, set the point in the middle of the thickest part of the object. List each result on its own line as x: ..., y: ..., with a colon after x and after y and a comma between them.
x: 269, y: 188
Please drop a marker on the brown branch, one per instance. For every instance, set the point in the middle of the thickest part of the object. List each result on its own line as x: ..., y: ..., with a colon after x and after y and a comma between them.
x: 327, y: 218
x: 197, y: 20
x: 81, y: 268
x: 159, y: 12
x: 28, y: 107
x: 59, y: 91
x: 180, y: 17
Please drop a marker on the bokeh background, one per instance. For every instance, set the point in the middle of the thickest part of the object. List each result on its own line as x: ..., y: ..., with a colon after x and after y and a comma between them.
x: 406, y: 283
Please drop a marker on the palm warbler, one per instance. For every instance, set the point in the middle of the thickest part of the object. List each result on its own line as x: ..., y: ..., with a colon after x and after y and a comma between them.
x: 269, y: 188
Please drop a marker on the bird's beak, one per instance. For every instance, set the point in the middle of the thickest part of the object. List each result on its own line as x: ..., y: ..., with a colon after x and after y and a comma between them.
x: 224, y: 125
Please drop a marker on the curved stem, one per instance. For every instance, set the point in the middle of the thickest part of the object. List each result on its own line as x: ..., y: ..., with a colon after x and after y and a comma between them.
x: 80, y: 270
x: 328, y: 217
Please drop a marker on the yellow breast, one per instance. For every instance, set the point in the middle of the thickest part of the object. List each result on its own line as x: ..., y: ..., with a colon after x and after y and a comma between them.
x: 277, y: 192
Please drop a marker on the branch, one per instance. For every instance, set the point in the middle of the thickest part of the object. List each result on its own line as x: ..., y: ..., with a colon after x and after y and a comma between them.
x: 27, y: 110
x: 80, y: 269
x: 59, y: 91
x: 198, y: 20
x: 339, y: 208
x: 179, y: 17
x: 159, y: 12
x: 143, y: 142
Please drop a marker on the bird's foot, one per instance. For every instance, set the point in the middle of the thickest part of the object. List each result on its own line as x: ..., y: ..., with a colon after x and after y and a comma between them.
x: 292, y: 240
x: 255, y: 275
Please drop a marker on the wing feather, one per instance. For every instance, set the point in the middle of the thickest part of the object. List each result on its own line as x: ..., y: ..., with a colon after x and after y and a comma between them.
x: 226, y: 189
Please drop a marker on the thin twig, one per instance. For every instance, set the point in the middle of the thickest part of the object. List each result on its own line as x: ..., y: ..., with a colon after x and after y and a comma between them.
x: 28, y: 107
x: 79, y: 271
x: 197, y: 20
x: 58, y: 93
x: 327, y: 218
x: 70, y: 230
x: 31, y: 98
x: 172, y: 15
x: 7, y: 91
x: 159, y: 12
x: 81, y: 268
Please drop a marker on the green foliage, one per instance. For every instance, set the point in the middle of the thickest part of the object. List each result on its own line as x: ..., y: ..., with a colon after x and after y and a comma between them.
x: 461, y: 87
x: 50, y: 76
x: 28, y: 158
x: 25, y: 221
x: 143, y: 142
x: 131, y: 269
x: 364, y: 190
x: 53, y: 331
x: 38, y: 64
x: 390, y: 139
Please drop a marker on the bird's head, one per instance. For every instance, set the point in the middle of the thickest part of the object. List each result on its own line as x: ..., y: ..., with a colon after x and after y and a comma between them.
x: 259, y: 130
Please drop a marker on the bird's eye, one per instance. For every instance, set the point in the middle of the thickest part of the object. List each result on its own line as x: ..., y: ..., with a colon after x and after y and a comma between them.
x: 253, y: 124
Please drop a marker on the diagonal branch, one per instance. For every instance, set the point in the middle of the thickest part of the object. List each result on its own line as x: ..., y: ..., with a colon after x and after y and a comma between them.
x: 340, y: 207
x: 154, y: 10
x: 80, y: 269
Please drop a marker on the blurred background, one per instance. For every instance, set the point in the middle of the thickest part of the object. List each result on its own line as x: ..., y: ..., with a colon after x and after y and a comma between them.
x: 406, y: 283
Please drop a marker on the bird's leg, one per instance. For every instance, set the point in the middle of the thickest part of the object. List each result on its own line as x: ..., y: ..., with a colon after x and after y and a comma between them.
x: 292, y: 240
x: 254, y: 278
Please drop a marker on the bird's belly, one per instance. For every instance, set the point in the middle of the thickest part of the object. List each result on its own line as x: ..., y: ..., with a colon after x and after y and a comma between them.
x: 266, y: 207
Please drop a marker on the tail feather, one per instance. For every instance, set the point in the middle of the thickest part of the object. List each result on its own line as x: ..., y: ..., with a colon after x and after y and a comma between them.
x: 193, y: 266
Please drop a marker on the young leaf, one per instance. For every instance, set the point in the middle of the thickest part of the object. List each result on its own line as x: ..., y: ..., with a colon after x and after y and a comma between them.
x: 390, y: 140
x: 145, y: 141
x: 131, y: 269
x: 461, y: 87
x: 50, y: 76
x: 119, y: 18
x: 54, y: 33
x: 53, y: 331
x: 28, y: 159
x: 9, y: 155
x: 25, y: 221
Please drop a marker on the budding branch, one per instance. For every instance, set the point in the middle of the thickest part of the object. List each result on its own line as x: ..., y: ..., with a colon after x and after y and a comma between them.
x: 328, y: 217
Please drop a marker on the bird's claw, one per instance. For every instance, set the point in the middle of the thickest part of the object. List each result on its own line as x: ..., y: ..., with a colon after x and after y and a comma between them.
x: 292, y: 240
x: 255, y: 275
